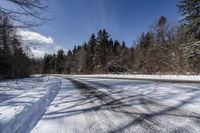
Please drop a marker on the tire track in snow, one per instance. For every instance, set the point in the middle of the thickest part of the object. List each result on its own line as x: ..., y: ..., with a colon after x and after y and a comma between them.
x: 125, y: 117
x: 113, y: 114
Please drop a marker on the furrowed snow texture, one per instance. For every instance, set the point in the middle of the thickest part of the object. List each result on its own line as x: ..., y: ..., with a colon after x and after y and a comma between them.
x: 22, y: 113
x: 183, y: 78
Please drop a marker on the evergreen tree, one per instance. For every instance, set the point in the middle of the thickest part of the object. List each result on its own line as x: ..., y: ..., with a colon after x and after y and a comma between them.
x: 90, y: 54
x: 161, y: 29
x: 68, y: 62
x: 60, y: 61
x: 20, y: 64
x: 5, y: 37
x: 53, y: 63
x: 82, y: 58
x: 74, y: 50
x: 190, y: 9
x: 146, y: 40
x: 102, y: 48
x: 13, y: 62
x: 123, y: 45
x: 142, y: 41
x: 149, y: 39
x: 116, y: 47
x: 47, y: 68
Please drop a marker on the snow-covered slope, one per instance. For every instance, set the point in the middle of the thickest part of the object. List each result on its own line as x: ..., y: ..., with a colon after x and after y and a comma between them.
x: 21, y: 113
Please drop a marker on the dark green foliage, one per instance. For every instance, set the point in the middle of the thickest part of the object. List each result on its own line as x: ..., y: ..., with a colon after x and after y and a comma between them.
x: 13, y: 62
x: 161, y: 29
x: 55, y: 63
x: 60, y: 61
x: 49, y: 64
x: 190, y: 10
x: 162, y: 21
x: 146, y: 40
x: 101, y: 49
x: 90, y: 63
x: 164, y: 48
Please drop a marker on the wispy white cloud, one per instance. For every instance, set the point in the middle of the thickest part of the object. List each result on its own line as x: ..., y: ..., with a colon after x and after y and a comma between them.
x: 36, y: 37
x: 37, y: 45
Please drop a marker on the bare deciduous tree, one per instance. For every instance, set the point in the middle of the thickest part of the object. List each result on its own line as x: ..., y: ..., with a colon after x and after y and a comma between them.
x: 25, y: 13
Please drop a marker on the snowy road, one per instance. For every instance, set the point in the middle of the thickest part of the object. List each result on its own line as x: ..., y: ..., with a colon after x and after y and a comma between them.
x: 110, y: 105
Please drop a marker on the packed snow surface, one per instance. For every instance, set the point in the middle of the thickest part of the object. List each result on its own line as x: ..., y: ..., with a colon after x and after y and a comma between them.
x: 97, y: 105
x: 145, y: 76
x: 78, y: 104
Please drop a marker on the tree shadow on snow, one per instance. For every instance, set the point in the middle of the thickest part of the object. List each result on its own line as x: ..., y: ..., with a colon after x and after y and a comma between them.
x: 126, y: 105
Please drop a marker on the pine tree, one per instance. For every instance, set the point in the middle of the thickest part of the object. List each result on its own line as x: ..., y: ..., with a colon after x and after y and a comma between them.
x: 13, y: 62
x: 123, y: 45
x: 161, y: 29
x: 47, y: 67
x: 5, y: 32
x: 142, y: 41
x: 192, y: 55
x: 20, y: 63
x: 90, y: 54
x: 149, y: 39
x: 60, y: 61
x: 82, y: 58
x: 69, y: 61
x: 102, y: 48
x: 190, y: 10
x: 116, y: 48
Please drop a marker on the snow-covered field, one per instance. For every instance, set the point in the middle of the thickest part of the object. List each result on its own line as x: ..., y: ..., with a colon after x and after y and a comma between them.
x: 88, y: 104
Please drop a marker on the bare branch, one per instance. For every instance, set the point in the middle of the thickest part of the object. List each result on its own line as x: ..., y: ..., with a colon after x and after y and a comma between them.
x: 25, y: 12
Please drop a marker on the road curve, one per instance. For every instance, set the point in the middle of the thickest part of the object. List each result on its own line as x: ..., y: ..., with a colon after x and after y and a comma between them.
x: 107, y: 106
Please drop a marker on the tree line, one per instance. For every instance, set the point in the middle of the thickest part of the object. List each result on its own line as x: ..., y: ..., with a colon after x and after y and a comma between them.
x: 14, y: 63
x: 166, y: 48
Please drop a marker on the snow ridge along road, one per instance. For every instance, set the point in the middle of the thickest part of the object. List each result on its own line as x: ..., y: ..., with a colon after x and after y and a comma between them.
x: 20, y: 114
x: 167, y: 78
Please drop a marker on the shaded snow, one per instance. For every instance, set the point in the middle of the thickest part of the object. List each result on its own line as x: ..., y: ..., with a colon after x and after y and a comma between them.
x: 110, y: 105
x: 84, y: 104
x: 21, y: 113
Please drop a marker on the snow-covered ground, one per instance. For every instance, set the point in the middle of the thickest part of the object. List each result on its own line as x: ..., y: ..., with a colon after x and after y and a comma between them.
x: 24, y: 101
x: 87, y: 104
x: 109, y: 105
x: 171, y: 94
x: 194, y: 78
x: 64, y: 115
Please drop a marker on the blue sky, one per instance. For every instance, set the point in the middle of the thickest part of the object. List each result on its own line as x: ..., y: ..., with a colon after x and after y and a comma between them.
x: 75, y: 20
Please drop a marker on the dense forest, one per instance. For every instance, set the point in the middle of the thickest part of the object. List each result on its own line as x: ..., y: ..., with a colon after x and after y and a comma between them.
x: 166, y: 48
x: 14, y: 63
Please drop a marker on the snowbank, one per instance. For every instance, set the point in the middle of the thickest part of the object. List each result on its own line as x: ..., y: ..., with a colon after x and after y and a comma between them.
x: 12, y: 88
x: 191, y: 78
x: 20, y: 114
